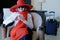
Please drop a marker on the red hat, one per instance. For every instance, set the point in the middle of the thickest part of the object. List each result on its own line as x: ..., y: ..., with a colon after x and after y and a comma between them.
x: 20, y: 3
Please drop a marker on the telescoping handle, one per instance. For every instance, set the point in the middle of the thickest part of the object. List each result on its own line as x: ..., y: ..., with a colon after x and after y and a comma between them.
x: 52, y: 14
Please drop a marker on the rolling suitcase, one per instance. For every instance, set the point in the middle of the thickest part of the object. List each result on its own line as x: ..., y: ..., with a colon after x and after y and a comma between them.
x: 51, y: 27
x: 51, y: 24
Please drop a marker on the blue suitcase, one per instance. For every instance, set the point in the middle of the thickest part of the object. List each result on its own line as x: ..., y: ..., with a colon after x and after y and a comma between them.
x: 51, y: 27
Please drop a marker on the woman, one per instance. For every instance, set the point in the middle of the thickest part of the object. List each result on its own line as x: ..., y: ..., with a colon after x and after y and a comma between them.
x: 22, y: 28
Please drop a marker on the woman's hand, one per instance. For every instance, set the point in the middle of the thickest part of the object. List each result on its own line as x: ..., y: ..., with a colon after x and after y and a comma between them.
x: 21, y: 17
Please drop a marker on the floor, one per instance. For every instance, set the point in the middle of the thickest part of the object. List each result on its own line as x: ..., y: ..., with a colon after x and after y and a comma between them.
x: 47, y: 37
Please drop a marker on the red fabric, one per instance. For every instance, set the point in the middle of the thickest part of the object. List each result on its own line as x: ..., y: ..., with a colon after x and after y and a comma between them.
x: 13, y: 8
x: 24, y: 14
x: 20, y: 29
x: 22, y: 3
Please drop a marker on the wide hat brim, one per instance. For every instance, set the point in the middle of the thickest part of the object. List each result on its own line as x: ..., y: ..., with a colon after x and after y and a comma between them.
x: 13, y: 8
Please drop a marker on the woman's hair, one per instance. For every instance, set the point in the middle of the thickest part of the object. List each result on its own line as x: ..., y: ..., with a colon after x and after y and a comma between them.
x: 26, y: 7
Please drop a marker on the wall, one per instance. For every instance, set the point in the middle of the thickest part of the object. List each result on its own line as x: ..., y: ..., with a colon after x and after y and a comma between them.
x: 52, y: 5
x: 36, y: 4
x: 49, y: 5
